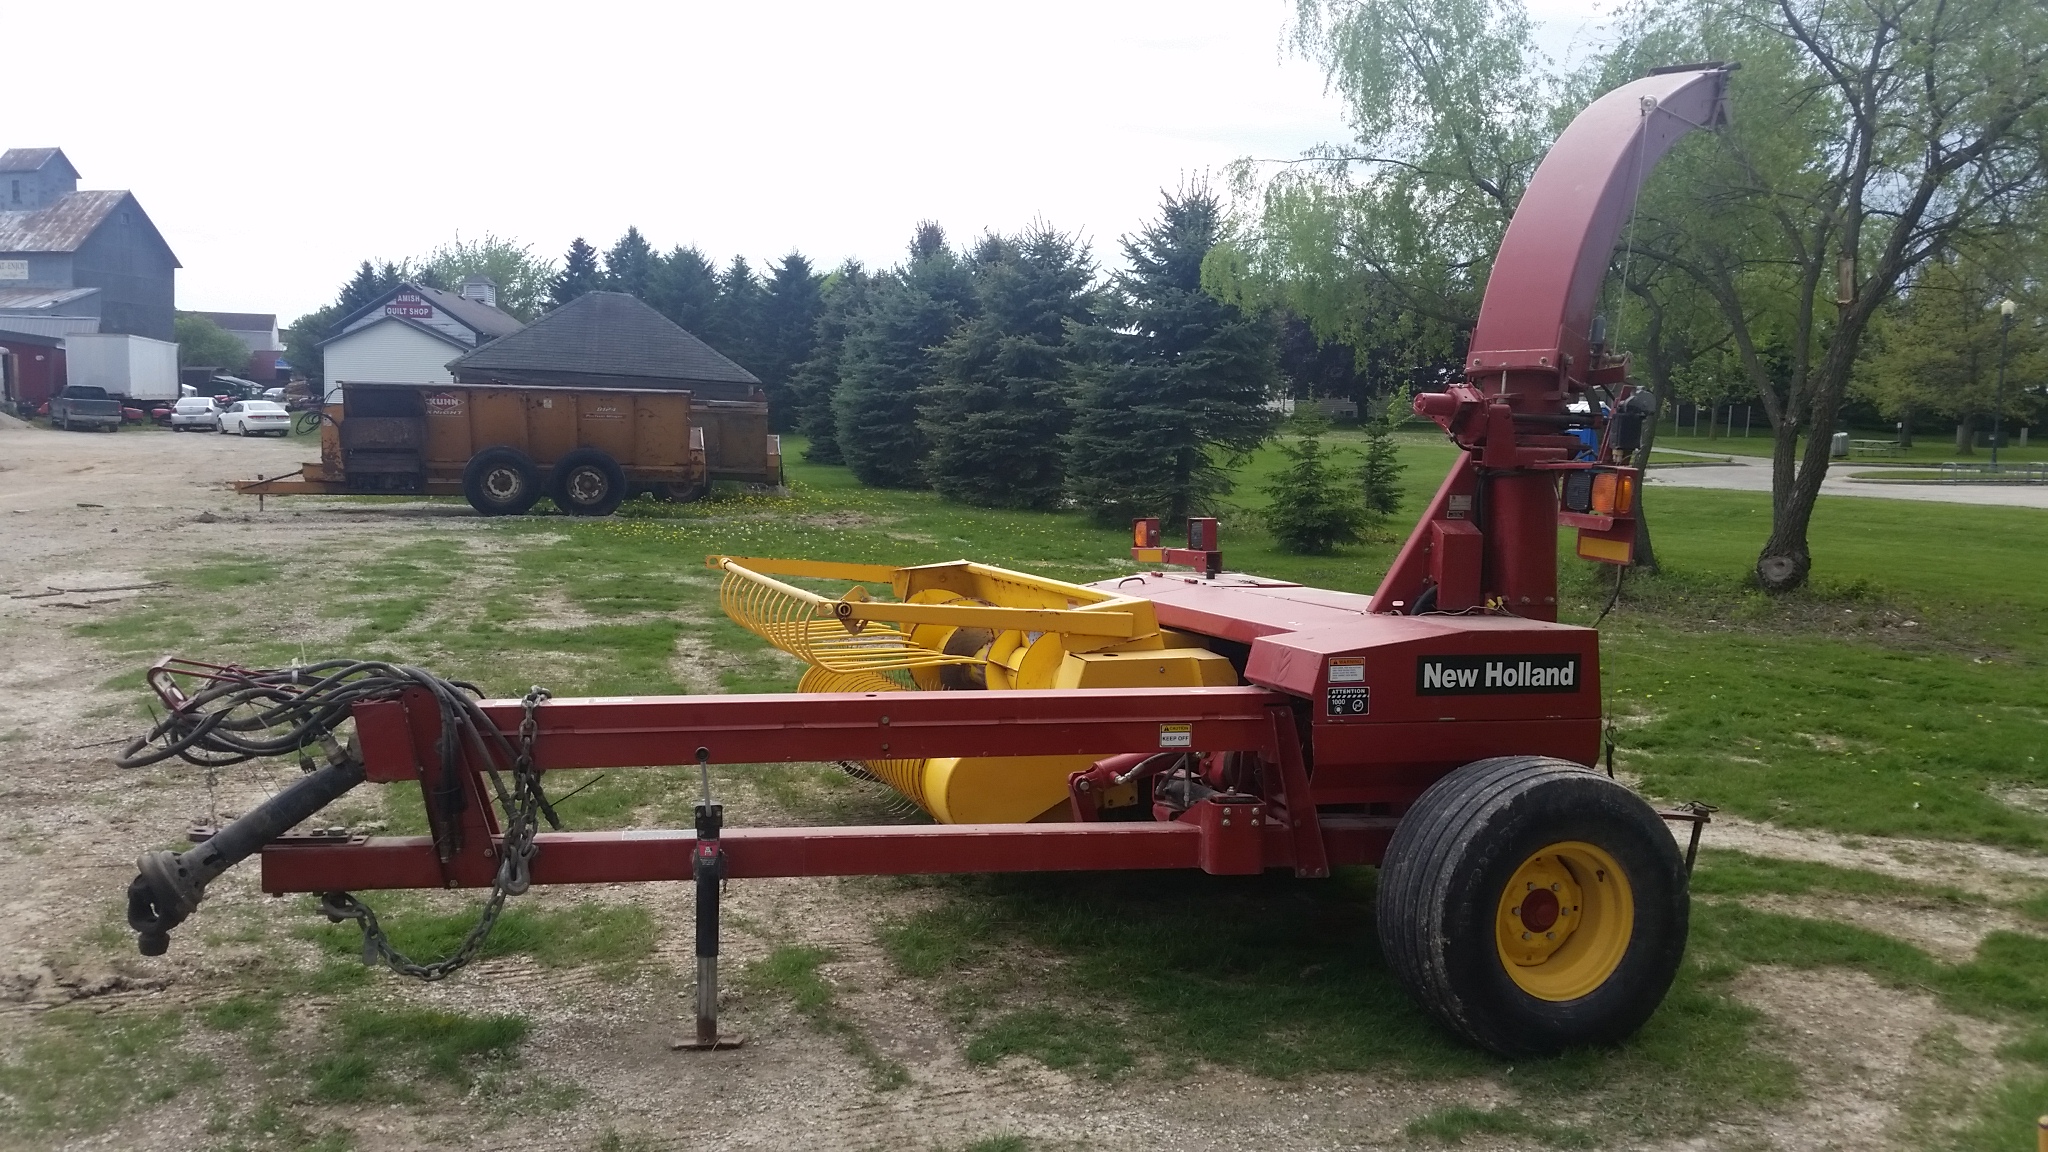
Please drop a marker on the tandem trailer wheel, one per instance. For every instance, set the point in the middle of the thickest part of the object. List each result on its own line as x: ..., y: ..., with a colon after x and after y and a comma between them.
x: 588, y: 482
x: 1532, y: 905
x: 501, y: 481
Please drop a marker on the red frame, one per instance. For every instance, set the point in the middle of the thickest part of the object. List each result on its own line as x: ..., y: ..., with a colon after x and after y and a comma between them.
x: 1225, y: 834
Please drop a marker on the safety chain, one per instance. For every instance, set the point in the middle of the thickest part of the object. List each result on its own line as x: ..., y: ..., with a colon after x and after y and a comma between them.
x: 523, y: 806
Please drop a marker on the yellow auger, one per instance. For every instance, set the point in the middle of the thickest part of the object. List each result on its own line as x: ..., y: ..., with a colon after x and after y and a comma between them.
x: 962, y: 626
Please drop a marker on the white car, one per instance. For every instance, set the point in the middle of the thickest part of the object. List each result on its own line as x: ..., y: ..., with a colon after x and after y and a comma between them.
x: 195, y: 412
x: 256, y: 418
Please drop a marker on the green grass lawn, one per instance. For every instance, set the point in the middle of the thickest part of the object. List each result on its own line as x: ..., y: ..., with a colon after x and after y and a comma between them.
x: 1931, y: 445
x: 1935, y: 474
x: 1902, y: 694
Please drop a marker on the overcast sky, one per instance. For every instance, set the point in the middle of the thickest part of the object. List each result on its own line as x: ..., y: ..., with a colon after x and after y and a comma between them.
x: 277, y: 145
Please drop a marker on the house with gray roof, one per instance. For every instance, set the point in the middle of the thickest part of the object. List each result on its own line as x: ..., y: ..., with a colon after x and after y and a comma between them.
x: 73, y: 261
x: 608, y: 340
x: 407, y: 336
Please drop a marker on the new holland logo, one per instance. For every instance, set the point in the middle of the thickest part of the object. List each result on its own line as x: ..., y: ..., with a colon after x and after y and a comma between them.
x: 1456, y: 675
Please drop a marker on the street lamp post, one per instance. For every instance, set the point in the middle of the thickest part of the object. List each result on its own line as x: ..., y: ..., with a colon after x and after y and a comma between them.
x: 2006, y: 308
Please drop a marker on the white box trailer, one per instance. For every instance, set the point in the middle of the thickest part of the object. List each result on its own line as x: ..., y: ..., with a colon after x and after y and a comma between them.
x: 135, y: 367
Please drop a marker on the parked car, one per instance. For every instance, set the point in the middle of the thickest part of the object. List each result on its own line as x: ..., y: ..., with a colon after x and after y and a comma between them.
x: 195, y: 412
x: 274, y: 395
x: 83, y: 406
x: 256, y: 417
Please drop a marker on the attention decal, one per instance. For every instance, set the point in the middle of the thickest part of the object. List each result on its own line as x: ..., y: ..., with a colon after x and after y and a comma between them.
x: 1475, y: 675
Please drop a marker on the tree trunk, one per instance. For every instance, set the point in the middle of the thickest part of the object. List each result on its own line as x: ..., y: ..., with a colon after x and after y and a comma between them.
x: 1906, y: 429
x: 1645, y: 553
x: 1786, y: 561
x: 1966, y: 437
x: 1645, y: 556
x: 1795, y: 485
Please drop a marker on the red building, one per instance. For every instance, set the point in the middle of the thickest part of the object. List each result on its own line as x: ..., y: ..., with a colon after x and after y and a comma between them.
x: 31, y: 370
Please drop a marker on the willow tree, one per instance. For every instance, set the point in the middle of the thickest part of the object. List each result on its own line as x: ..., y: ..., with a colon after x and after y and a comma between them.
x: 1866, y: 141
x: 1385, y: 241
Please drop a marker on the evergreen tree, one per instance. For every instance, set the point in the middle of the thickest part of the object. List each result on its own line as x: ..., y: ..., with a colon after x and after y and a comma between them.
x: 579, y: 275
x: 1179, y: 380
x: 887, y: 361
x: 360, y: 289
x: 815, y: 381
x: 1001, y: 402
x: 928, y: 241
x: 790, y: 307
x: 370, y: 281
x: 1379, y: 477
x: 629, y: 265
x: 1311, y: 509
x: 735, y: 321
x: 302, y: 339
x: 683, y: 286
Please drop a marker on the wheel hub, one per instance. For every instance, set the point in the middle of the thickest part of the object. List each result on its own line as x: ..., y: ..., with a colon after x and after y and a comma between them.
x: 1540, y: 909
x: 587, y: 486
x: 502, y: 483
x: 1564, y: 921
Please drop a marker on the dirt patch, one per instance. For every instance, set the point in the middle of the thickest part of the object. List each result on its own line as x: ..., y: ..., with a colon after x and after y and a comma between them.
x: 1977, y: 868
x: 1875, y: 1062
x: 2025, y: 799
x: 1948, y: 932
x: 839, y: 518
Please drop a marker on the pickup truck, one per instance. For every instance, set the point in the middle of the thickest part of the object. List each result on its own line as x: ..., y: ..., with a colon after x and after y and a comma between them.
x: 83, y: 406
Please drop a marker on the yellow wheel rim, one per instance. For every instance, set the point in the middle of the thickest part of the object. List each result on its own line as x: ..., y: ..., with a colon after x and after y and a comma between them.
x: 1564, y: 921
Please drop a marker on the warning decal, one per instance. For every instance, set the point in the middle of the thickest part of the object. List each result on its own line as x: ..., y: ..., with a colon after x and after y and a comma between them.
x: 1340, y: 702
x: 1176, y: 735
x: 1347, y: 670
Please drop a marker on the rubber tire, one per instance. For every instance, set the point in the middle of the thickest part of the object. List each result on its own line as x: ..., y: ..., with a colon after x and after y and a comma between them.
x: 676, y: 493
x: 1440, y: 888
x: 588, y: 460
x: 489, y: 460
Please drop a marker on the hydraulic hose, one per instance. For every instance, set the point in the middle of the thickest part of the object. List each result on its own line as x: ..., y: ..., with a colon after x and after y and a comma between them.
x: 237, y: 714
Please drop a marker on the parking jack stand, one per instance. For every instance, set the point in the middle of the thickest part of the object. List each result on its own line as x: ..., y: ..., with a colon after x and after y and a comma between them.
x: 707, y: 866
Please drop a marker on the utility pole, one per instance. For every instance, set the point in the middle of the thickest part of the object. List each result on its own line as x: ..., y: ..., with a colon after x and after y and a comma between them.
x: 2006, y: 308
